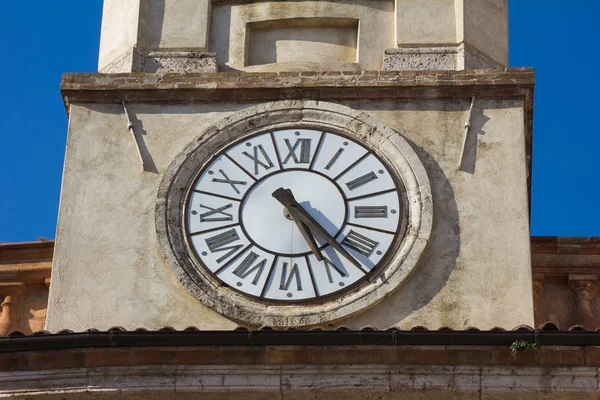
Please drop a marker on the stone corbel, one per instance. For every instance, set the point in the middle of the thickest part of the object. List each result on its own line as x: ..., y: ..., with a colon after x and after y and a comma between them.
x: 10, y: 292
x: 583, y: 287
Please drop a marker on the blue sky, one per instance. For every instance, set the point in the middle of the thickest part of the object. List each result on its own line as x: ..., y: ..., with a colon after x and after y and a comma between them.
x: 42, y: 41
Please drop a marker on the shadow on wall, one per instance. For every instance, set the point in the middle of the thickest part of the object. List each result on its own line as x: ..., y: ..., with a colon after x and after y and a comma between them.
x: 436, y: 264
x: 469, y: 159
x: 155, y: 23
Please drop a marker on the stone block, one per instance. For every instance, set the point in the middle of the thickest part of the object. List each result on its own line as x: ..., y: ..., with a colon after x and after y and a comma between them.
x: 429, y: 22
x: 120, y: 35
x: 178, y: 25
x: 180, y: 62
x: 485, y: 28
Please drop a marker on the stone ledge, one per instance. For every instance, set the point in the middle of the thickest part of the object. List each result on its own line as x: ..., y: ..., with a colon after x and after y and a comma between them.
x: 215, y: 87
x: 304, y: 382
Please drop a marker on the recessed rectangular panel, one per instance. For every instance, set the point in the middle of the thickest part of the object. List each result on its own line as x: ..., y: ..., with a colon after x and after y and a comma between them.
x: 303, y: 40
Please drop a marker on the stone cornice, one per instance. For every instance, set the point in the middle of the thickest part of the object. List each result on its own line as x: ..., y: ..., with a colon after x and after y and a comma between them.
x: 563, y: 256
x: 42, y: 250
x: 253, y: 87
x: 304, y: 372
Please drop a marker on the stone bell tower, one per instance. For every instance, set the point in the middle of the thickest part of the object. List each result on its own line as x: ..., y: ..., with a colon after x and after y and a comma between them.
x: 422, y: 86
x: 203, y: 36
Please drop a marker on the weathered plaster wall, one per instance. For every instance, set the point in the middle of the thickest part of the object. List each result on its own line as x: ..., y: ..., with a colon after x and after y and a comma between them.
x: 476, y: 271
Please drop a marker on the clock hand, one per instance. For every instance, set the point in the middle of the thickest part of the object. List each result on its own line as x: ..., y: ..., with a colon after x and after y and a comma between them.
x: 306, y: 233
x: 286, y: 198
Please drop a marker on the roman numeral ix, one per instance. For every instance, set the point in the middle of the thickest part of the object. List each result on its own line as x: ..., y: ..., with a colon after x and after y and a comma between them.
x: 257, y: 160
x: 360, y: 243
x: 304, y: 145
x: 220, y: 243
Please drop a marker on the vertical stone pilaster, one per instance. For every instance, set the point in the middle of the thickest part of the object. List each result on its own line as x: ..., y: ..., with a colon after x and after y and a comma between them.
x: 156, y: 36
x: 449, y: 35
x: 583, y: 287
x: 11, y: 291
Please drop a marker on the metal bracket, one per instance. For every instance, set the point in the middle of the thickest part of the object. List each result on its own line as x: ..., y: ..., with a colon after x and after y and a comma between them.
x: 467, y: 129
x: 135, y: 140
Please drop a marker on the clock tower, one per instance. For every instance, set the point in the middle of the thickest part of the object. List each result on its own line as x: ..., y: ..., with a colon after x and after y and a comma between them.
x: 296, y: 165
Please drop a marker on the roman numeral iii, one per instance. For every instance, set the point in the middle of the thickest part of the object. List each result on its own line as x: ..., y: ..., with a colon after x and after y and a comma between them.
x: 220, y: 242
x: 360, y: 243
x: 370, y: 212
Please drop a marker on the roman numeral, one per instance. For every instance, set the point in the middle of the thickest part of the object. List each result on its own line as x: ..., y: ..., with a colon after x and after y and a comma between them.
x: 334, y: 159
x: 246, y: 268
x: 304, y: 145
x: 361, y: 180
x: 360, y: 243
x: 328, y: 266
x: 256, y: 159
x: 208, y: 216
x: 232, y: 183
x: 370, y: 212
x: 286, y: 280
x: 221, y: 241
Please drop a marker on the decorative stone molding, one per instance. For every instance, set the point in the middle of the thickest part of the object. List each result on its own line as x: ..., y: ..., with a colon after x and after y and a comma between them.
x: 162, y: 62
x: 583, y: 287
x: 459, y: 57
x: 305, y: 382
x: 568, y: 267
x: 180, y: 62
x: 24, y: 268
x: 388, y: 145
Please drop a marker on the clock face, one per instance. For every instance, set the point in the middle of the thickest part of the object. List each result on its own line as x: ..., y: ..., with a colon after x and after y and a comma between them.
x: 293, y: 215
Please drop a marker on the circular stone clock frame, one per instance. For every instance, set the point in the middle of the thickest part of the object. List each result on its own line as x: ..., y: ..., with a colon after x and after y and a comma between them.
x: 387, y: 145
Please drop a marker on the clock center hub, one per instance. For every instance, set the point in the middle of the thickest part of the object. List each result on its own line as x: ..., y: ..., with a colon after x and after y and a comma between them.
x: 287, y: 214
x: 273, y: 229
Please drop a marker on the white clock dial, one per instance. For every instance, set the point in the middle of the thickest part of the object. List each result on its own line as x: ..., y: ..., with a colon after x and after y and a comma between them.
x: 335, y: 217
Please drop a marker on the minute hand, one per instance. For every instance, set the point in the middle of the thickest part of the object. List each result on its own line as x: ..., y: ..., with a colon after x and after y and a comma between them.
x: 299, y: 213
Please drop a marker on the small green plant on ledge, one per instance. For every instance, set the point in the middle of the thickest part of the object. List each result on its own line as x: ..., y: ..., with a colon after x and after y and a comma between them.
x: 519, y: 346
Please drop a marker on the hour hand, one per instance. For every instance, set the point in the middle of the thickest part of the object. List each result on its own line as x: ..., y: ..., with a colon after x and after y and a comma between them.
x: 298, y: 213
x: 305, y: 231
